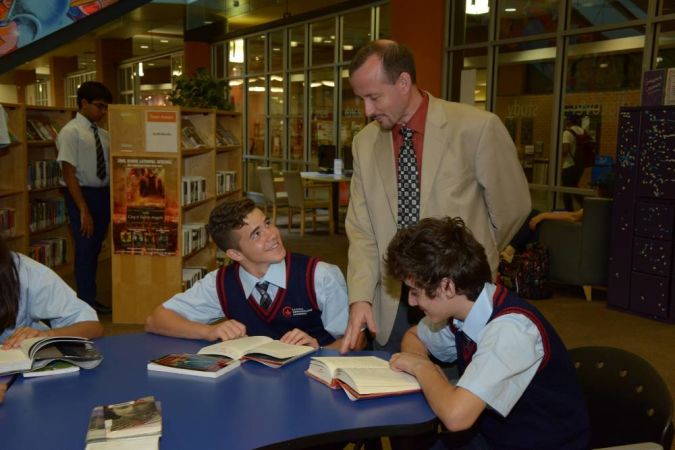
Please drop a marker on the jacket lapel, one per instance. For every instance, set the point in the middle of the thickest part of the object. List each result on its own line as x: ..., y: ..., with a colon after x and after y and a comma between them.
x: 386, y: 169
x: 434, y: 148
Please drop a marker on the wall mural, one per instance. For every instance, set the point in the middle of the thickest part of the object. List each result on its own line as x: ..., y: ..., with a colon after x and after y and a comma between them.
x: 25, y: 21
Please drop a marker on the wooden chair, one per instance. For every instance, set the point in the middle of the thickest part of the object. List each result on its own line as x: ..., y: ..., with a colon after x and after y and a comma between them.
x: 272, y: 197
x: 297, y: 200
x: 628, y: 401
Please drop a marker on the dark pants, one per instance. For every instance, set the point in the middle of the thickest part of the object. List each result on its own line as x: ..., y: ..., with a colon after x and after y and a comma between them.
x: 88, y: 248
x: 525, y: 235
x: 406, y: 316
x: 570, y: 177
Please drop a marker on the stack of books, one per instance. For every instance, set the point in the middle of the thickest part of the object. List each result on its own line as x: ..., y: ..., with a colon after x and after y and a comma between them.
x: 130, y: 425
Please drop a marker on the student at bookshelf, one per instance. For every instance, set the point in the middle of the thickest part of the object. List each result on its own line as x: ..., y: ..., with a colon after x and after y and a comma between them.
x: 83, y: 153
x: 517, y: 382
x: 31, y: 293
x: 266, y: 291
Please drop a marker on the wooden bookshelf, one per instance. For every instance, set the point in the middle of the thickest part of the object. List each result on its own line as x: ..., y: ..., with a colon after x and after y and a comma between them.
x: 21, y: 185
x: 145, y: 273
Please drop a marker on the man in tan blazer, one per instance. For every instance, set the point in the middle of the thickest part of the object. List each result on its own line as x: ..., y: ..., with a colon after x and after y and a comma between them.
x: 467, y: 165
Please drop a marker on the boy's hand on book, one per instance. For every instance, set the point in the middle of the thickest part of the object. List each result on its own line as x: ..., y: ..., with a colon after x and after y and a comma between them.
x: 299, y: 337
x: 15, y: 340
x: 226, y: 330
x: 410, y: 362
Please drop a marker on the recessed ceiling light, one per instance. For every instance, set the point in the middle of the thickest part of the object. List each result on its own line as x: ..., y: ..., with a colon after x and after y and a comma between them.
x: 510, y: 9
x: 164, y: 41
x: 151, y: 64
x: 145, y: 47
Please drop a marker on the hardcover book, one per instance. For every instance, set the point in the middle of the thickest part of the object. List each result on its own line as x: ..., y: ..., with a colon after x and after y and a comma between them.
x: 37, y: 352
x: 196, y: 365
x: 262, y: 349
x: 130, y: 425
x: 361, y: 376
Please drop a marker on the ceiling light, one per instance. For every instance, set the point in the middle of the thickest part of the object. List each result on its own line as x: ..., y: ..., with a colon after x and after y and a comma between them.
x: 164, y: 41
x: 145, y: 47
x: 317, y: 39
x: 510, y: 9
x: 151, y: 64
x: 140, y: 69
x: 477, y: 7
x: 604, y: 65
x: 348, y: 48
x: 294, y: 43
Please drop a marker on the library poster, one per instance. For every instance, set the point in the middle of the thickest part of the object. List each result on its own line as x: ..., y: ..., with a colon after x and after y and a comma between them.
x: 145, y: 206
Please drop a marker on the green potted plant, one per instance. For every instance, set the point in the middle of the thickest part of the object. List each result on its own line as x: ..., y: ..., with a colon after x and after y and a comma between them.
x: 200, y: 91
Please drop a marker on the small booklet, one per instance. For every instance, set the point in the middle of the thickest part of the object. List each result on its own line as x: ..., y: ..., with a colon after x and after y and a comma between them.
x: 197, y: 365
x: 57, y: 367
x: 262, y: 349
x: 134, y: 425
x: 361, y: 376
x: 37, y: 352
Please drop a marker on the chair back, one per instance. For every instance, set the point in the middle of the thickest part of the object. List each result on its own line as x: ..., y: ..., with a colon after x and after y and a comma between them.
x: 294, y: 188
x: 267, y: 184
x: 628, y: 401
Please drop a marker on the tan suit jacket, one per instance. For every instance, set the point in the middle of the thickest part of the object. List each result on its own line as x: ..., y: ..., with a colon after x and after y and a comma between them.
x: 470, y: 169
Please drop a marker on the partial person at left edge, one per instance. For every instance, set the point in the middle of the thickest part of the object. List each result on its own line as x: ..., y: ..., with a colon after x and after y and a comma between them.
x: 83, y: 153
x: 30, y: 294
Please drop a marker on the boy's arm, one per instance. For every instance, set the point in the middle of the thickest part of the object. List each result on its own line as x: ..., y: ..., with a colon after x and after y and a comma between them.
x: 169, y: 323
x: 456, y: 407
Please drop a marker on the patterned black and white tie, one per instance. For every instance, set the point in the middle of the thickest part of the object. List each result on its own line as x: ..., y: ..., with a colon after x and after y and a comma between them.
x: 408, y: 182
x: 265, y: 299
x: 100, y: 159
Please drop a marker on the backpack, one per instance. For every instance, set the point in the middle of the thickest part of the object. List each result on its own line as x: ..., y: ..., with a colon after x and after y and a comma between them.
x: 586, y: 149
x: 527, y: 274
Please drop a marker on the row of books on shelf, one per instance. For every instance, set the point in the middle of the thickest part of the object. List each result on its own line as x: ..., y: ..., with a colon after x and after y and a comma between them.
x: 50, y: 252
x: 46, y: 213
x: 193, y: 189
x: 195, y: 237
x: 44, y: 174
x: 41, y: 129
x: 7, y: 222
x: 190, y: 138
x: 193, y: 274
x: 226, y: 181
x: 225, y: 137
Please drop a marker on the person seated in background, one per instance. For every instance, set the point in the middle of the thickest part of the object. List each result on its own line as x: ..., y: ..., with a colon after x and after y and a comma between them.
x: 31, y: 293
x: 529, y: 231
x: 265, y: 291
x: 517, y: 383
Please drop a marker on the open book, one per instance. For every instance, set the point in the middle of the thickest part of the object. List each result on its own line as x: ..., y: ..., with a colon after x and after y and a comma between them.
x: 361, y: 376
x: 262, y: 349
x: 130, y: 425
x: 57, y: 367
x: 197, y: 365
x: 37, y: 352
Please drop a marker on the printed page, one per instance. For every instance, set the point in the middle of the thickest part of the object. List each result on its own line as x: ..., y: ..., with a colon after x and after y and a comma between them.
x: 235, y: 348
x: 281, y: 350
x: 335, y: 362
x: 370, y: 381
x: 13, y: 360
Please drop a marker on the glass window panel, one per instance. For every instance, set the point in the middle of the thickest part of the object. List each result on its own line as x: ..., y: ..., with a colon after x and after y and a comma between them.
x: 472, y: 86
x: 352, y: 120
x: 277, y: 117
x: 470, y: 28
x: 235, y: 58
x: 322, y: 41
x: 219, y: 54
x: 322, y: 86
x: 296, y: 122
x: 252, y: 174
x: 276, y: 50
x: 384, y: 22
x: 296, y: 45
x: 355, y: 32
x: 255, y: 54
x: 518, y: 18
x: 256, y: 115
x: 603, y: 74
x: 667, y: 7
x: 665, y: 56
x: 524, y: 100
x: 587, y: 13
x: 236, y: 93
